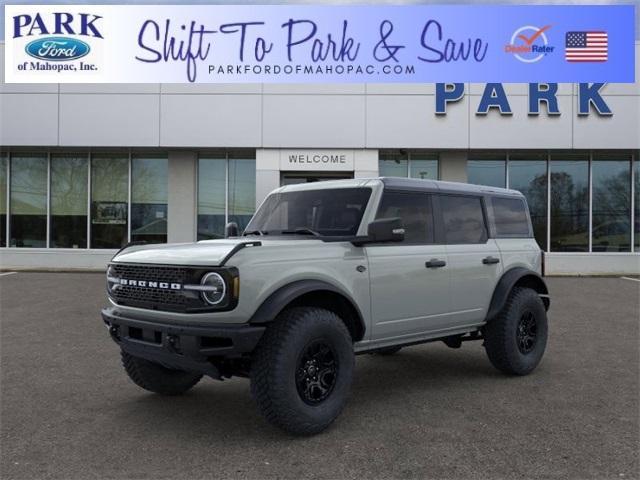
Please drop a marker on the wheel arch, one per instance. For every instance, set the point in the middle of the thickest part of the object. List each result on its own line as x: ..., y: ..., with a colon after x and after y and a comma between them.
x: 516, y: 277
x: 312, y: 293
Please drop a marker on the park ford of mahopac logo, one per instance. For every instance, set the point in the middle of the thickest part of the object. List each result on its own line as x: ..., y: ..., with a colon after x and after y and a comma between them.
x: 53, y: 40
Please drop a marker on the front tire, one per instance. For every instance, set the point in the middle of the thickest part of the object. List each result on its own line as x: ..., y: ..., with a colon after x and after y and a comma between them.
x: 156, y: 378
x: 302, y: 370
x: 516, y: 339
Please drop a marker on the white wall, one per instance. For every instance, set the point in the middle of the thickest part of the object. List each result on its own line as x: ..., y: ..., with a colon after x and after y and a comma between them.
x: 59, y: 259
x: 182, y: 196
x: 592, y: 264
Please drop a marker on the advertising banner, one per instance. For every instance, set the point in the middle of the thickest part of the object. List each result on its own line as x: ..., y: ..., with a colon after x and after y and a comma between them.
x: 323, y: 44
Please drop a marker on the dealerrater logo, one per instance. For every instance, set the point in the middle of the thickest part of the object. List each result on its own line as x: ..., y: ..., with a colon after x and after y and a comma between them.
x: 56, y: 38
x: 529, y: 44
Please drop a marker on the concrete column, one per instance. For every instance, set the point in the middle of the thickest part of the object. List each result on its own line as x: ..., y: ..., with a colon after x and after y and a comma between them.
x: 267, y: 172
x: 183, y: 201
x: 366, y: 164
x: 453, y: 166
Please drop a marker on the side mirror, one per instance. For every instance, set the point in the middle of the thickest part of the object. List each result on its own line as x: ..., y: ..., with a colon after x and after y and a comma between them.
x: 231, y: 230
x: 385, y: 230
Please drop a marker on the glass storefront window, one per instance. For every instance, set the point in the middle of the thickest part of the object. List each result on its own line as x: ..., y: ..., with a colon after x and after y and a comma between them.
x: 569, y: 203
x: 28, y: 208
x: 220, y: 202
x: 68, y: 207
x: 226, y: 192
x: 423, y: 166
x: 528, y: 175
x: 149, y: 196
x: 399, y: 163
x: 611, y: 204
x: 636, y: 201
x: 486, y: 169
x: 109, y: 197
x: 393, y: 164
x: 242, y: 190
x: 4, y: 161
x: 212, y: 192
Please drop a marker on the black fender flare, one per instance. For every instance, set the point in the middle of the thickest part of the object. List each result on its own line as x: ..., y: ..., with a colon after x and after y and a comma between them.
x: 518, y: 276
x: 278, y: 300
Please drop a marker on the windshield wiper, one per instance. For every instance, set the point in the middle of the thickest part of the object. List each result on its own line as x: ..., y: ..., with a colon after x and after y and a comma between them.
x: 254, y: 232
x: 301, y: 231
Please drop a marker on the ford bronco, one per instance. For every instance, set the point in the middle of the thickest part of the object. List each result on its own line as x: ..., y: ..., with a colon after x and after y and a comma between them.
x: 325, y: 271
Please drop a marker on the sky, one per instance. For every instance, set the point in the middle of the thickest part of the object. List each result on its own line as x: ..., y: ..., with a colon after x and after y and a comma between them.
x: 316, y: 2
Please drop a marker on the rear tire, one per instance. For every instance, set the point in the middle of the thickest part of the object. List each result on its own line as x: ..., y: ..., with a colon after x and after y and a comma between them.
x: 302, y: 370
x: 156, y: 378
x: 516, y: 339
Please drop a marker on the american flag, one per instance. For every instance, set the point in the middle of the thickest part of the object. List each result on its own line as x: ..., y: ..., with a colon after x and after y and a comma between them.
x: 586, y: 47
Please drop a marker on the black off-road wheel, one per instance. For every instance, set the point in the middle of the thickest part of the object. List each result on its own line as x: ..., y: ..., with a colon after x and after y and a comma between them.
x: 156, y: 378
x: 516, y: 339
x: 302, y: 370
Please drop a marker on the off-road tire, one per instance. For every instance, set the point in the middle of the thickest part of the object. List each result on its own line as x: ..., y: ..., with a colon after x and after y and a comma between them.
x: 156, y: 378
x: 385, y: 352
x: 501, y: 334
x: 276, y: 366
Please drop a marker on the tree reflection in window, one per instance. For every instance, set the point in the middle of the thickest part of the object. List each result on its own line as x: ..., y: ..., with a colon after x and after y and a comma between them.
x: 528, y: 175
x: 68, y: 222
x: 611, y: 187
x: 149, y: 196
x: 109, y: 196
x: 28, y: 201
x: 569, y: 204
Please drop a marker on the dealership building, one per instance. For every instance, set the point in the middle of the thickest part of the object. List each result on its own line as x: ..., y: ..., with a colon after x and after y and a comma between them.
x: 87, y: 168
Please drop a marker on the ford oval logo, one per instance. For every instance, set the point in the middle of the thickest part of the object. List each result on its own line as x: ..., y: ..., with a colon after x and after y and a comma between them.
x: 57, y: 49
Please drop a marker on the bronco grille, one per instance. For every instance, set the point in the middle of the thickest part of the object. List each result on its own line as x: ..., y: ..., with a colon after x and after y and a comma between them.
x: 149, y: 297
x: 168, y: 288
x: 154, y: 287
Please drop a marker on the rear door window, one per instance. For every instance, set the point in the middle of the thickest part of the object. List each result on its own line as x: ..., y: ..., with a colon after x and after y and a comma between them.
x: 510, y: 217
x: 463, y: 219
x: 414, y: 209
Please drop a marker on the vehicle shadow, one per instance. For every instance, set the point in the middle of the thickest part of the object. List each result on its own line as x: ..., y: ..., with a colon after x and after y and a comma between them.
x: 226, y: 409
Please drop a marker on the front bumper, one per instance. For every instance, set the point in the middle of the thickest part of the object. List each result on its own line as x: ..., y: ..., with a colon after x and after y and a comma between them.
x: 189, y: 348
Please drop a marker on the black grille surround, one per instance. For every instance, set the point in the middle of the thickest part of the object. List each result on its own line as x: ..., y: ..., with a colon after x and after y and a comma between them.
x: 162, y: 287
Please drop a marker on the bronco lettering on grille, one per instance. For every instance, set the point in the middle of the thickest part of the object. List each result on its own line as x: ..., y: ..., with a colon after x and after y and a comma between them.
x: 150, y: 284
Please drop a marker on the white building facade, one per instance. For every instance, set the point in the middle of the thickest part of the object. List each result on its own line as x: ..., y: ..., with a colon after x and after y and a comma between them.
x: 85, y: 169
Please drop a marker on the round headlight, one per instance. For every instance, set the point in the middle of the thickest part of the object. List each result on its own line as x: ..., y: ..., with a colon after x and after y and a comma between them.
x: 111, y: 280
x: 214, y: 288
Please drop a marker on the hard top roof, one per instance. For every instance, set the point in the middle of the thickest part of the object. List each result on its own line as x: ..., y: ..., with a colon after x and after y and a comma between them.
x: 400, y: 183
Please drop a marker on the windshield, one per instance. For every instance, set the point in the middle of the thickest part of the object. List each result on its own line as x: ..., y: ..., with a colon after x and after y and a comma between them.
x: 331, y: 212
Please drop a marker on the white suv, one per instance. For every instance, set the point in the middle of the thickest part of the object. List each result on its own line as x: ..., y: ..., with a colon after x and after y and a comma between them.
x: 325, y: 271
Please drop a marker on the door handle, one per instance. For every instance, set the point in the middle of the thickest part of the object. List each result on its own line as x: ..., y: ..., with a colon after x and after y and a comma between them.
x: 490, y: 260
x: 435, y: 263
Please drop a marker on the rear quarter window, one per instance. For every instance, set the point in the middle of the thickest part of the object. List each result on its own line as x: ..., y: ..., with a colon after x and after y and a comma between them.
x: 463, y: 219
x: 510, y: 217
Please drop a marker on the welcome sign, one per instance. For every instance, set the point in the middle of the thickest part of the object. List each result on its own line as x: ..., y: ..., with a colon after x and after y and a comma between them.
x: 327, y: 44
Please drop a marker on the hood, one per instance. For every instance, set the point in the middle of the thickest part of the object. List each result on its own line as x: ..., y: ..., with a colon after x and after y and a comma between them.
x: 208, y: 252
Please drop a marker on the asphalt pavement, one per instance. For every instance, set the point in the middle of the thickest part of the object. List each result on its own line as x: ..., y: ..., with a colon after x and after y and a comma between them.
x: 68, y: 411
